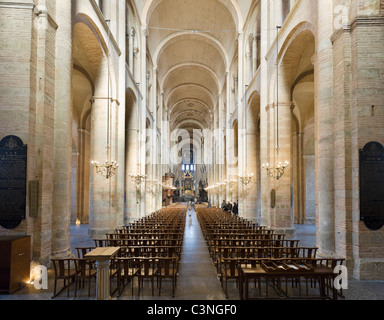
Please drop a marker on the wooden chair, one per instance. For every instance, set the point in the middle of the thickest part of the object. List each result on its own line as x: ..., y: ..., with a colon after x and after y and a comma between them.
x: 113, y: 273
x: 82, y: 251
x: 85, y: 270
x: 128, y: 269
x: 65, y: 270
x: 167, y: 268
x: 101, y: 242
x: 229, y: 271
x: 147, y: 270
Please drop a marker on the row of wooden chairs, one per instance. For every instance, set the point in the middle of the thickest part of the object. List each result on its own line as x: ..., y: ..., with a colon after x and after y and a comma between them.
x: 153, y: 255
x: 233, y: 242
x: 122, y: 269
x: 150, y: 249
x: 232, y: 268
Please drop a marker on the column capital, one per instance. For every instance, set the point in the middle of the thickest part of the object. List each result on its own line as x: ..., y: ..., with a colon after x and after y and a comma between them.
x: 144, y: 31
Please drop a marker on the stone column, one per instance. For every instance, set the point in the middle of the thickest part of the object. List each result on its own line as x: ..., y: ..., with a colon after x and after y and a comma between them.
x: 142, y: 111
x: 61, y: 197
x: 251, y: 194
x: 131, y: 37
x: 228, y: 133
x: 100, y: 189
x: 283, y: 220
x: 241, y: 120
x: 154, y: 138
x: 324, y: 130
x: 264, y: 180
x: 255, y: 54
x: 82, y: 203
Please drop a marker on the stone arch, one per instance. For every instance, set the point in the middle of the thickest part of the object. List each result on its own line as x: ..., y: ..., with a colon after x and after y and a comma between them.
x: 297, y: 89
x: 232, y: 6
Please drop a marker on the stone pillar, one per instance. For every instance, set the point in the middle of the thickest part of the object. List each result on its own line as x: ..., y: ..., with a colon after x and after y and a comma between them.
x: 255, y: 54
x: 61, y: 197
x: 82, y: 203
x: 251, y: 194
x: 241, y: 120
x: 120, y: 109
x: 324, y: 130
x: 100, y: 190
x: 264, y: 180
x: 142, y: 111
x: 131, y: 36
x: 155, y: 160
x: 228, y: 133
x: 283, y: 219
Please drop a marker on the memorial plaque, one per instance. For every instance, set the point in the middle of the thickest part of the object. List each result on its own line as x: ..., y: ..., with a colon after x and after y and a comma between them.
x: 13, y: 176
x: 372, y: 185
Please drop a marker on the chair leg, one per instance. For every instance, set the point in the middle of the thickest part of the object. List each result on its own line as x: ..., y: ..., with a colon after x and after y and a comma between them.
x: 76, y: 281
x: 173, y: 287
x: 69, y: 284
x: 54, y: 289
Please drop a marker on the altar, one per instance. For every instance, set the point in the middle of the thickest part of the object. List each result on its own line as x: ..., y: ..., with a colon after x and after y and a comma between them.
x: 188, y: 186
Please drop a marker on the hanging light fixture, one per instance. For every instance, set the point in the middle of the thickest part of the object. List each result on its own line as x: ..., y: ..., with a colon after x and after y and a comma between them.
x: 109, y: 167
x: 138, y: 179
x: 278, y: 170
x: 246, y: 178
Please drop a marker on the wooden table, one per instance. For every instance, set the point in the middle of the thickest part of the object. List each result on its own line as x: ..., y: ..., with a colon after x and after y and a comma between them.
x: 321, y: 273
x: 103, y: 257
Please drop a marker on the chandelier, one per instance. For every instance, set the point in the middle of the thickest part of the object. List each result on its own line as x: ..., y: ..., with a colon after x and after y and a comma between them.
x: 230, y: 182
x: 278, y: 170
x: 138, y: 178
x: 246, y: 178
x: 108, y: 168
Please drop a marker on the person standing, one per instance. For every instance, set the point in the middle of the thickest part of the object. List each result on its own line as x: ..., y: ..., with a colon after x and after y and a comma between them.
x: 236, y: 208
x: 229, y: 206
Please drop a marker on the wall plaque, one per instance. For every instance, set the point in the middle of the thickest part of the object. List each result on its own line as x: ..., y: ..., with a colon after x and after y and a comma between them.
x: 372, y: 185
x: 13, y: 176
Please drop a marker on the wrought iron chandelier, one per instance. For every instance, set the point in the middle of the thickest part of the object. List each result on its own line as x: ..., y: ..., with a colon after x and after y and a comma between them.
x: 246, y: 178
x: 108, y: 168
x: 138, y: 178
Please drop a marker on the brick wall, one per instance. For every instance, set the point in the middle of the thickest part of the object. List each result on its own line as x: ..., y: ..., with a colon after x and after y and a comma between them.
x: 367, y: 125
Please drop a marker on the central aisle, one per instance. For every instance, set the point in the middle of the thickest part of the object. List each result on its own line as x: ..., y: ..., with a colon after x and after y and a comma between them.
x: 197, y: 278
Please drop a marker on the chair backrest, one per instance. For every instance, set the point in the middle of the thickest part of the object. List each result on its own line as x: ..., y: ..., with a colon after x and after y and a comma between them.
x: 230, y: 266
x: 167, y: 265
x: 82, y: 251
x: 147, y: 266
x: 127, y: 265
x: 62, y: 267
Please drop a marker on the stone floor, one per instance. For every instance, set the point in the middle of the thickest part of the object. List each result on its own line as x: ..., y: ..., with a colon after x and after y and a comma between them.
x: 197, y: 278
